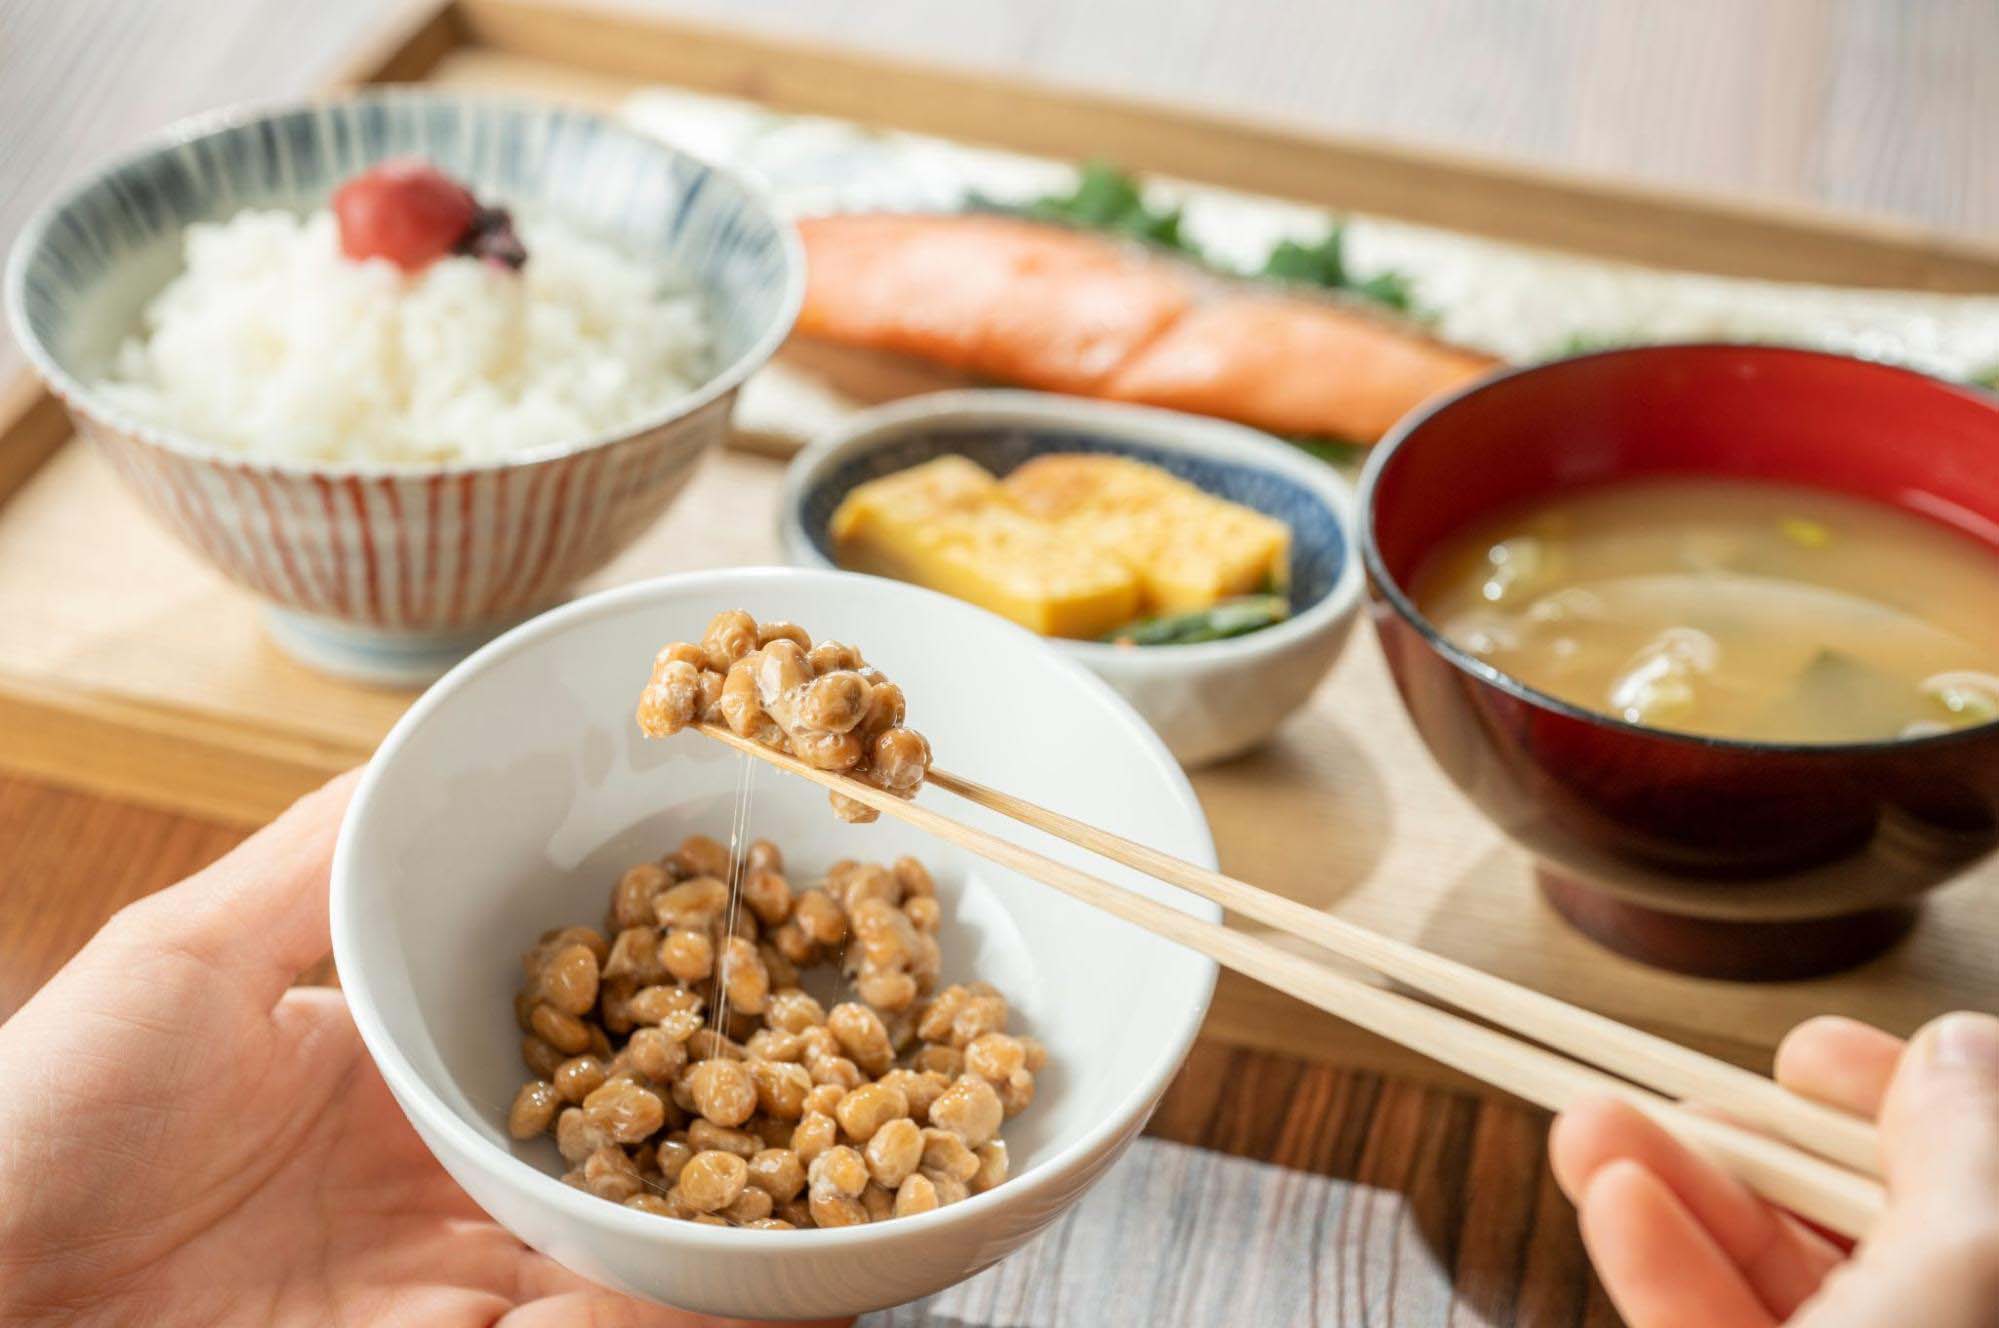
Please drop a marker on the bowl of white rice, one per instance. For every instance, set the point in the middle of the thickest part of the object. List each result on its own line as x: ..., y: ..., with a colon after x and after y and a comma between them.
x: 402, y: 458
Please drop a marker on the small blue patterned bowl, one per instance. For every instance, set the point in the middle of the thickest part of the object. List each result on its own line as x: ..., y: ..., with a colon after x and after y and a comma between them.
x: 391, y: 573
x: 1208, y: 701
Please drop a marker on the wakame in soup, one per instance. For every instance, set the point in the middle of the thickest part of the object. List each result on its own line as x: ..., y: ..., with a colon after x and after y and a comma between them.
x: 1729, y: 608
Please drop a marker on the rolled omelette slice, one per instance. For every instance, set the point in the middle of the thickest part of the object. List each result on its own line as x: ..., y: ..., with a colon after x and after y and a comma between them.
x: 948, y: 525
x: 1187, y: 548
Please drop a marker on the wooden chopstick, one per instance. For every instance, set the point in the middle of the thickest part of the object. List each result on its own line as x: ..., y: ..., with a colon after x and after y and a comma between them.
x: 1841, y: 1200
x: 1642, y: 1057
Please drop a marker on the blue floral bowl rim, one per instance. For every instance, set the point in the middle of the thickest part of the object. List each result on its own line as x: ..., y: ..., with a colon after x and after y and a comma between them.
x: 1147, y: 426
x: 237, y: 116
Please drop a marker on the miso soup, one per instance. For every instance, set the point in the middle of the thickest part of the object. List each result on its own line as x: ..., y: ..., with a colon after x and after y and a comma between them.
x: 1730, y: 608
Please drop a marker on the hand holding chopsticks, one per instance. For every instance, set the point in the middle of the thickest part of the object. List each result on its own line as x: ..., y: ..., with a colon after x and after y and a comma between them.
x: 1824, y: 1191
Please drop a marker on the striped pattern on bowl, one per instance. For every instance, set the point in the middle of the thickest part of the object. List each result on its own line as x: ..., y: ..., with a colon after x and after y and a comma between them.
x: 381, y: 558
x: 414, y: 551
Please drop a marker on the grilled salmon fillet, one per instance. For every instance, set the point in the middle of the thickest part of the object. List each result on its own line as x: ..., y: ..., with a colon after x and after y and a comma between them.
x: 1067, y: 311
x: 1006, y: 299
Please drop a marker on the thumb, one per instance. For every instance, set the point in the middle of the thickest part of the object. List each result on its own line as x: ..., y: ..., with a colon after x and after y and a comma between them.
x: 1940, y: 1123
x: 257, y: 917
x: 1934, y: 1260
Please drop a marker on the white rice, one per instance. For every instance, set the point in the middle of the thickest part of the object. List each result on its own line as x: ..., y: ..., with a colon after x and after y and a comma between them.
x: 272, y: 344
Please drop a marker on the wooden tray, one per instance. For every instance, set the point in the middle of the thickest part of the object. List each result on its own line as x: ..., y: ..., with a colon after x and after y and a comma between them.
x: 128, y: 667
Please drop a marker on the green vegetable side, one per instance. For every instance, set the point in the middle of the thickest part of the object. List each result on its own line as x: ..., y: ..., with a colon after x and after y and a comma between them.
x: 1231, y: 617
x: 1107, y: 199
x: 1324, y: 264
x: 1110, y: 200
x: 1340, y: 453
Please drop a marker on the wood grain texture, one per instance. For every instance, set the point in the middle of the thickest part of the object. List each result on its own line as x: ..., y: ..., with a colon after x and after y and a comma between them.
x: 576, y: 47
x: 1469, y: 1180
x: 1398, y: 1203
x: 1858, y: 104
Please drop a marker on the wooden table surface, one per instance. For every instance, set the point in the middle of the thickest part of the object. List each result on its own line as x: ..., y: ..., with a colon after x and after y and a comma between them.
x: 1857, y: 104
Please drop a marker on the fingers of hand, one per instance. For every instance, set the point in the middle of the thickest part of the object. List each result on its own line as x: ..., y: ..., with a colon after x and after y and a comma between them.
x: 258, y: 914
x: 1777, y: 1257
x: 1840, y: 1062
x: 1662, y: 1267
x: 1678, y: 1242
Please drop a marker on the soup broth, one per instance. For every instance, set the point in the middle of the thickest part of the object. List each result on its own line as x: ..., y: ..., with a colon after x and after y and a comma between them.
x: 1729, y: 608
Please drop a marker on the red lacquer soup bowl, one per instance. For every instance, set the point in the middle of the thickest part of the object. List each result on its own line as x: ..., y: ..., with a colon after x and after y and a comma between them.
x: 1713, y: 856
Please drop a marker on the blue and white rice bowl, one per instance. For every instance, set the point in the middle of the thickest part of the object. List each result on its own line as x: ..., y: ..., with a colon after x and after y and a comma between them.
x: 391, y: 572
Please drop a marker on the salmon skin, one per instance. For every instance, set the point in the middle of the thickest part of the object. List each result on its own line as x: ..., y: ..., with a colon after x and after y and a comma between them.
x: 1068, y: 311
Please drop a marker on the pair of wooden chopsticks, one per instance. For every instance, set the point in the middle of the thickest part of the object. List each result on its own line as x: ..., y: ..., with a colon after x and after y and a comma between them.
x: 1818, y: 1162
